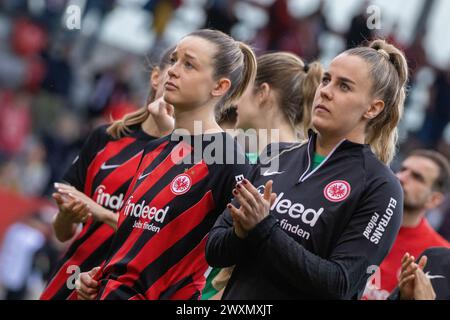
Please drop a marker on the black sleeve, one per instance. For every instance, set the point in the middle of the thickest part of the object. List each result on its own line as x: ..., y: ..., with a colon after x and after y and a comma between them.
x: 76, y: 174
x: 224, y: 248
x: 395, y: 295
x: 344, y: 273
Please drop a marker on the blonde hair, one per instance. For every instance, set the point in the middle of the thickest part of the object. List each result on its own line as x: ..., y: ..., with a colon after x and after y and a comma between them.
x: 234, y: 60
x: 122, y: 127
x: 389, y: 74
x: 296, y: 83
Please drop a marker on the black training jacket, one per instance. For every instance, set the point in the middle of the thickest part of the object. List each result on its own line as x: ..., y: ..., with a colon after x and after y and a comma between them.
x: 327, y: 231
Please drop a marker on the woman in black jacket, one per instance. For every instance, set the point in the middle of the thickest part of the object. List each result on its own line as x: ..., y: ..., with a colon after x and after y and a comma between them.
x: 336, y: 207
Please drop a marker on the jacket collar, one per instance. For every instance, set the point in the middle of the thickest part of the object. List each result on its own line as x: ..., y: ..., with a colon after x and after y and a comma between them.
x: 312, y: 138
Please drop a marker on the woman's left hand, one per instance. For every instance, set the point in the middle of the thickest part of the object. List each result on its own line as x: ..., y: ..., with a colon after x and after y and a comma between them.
x: 254, y: 206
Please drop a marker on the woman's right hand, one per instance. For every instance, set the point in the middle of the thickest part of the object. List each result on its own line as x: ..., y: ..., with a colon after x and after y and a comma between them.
x: 87, y: 288
x: 408, y: 282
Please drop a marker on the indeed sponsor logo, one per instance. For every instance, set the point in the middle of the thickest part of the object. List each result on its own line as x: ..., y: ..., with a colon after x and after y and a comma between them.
x: 294, y: 210
x: 107, y: 200
x: 145, y: 211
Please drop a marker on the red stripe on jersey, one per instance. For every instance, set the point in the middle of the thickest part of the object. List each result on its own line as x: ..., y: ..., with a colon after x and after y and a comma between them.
x: 149, y: 182
x: 73, y: 295
x: 111, y: 149
x: 165, y: 238
x: 180, y: 150
x: 193, y: 264
x: 80, y: 255
x: 110, y: 286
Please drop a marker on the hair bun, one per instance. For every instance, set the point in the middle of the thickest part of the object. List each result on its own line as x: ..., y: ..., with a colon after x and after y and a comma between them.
x: 306, y: 67
x: 384, y: 53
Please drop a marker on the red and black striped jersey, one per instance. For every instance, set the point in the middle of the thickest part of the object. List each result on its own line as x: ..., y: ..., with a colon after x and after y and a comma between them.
x: 103, y: 170
x: 182, y: 185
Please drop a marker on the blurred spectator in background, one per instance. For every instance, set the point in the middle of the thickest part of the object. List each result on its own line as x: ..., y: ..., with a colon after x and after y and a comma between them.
x: 311, y: 28
x: 15, y: 121
x: 280, y: 27
x: 9, y: 175
x: 63, y: 146
x: 438, y: 112
x: 97, y: 9
x: 58, y: 76
x: 220, y: 15
x: 111, y: 91
x: 416, y: 54
x: 22, y: 241
x: 358, y: 32
x: 35, y: 174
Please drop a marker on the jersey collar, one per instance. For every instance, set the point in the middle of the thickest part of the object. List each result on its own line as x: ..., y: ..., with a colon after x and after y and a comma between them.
x: 344, y: 144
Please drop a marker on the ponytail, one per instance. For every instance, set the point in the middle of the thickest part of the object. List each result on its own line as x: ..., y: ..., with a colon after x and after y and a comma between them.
x: 309, y: 86
x: 248, y: 72
x: 389, y: 72
x: 121, y: 128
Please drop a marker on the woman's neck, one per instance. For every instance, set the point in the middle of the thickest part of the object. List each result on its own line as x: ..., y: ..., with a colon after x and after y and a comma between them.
x: 197, y: 121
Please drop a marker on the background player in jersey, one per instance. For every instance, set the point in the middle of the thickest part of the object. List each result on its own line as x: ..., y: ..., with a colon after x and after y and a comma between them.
x: 328, y: 224
x: 425, y: 179
x: 158, y: 251
x: 280, y: 99
x: 98, y: 181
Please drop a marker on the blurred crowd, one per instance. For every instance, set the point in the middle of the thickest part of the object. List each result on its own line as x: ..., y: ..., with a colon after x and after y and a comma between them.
x: 57, y: 84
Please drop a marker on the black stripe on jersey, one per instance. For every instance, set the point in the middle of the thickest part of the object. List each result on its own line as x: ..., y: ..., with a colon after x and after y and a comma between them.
x: 121, y: 293
x: 91, y: 262
x: 175, y: 287
x: 174, y: 254
x: 74, y: 246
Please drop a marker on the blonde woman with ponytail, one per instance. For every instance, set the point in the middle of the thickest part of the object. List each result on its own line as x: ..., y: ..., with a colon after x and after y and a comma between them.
x: 281, y: 100
x: 178, y: 190
x: 320, y: 224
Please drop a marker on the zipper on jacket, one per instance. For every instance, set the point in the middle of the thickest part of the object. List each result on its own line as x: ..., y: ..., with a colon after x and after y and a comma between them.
x: 303, y: 177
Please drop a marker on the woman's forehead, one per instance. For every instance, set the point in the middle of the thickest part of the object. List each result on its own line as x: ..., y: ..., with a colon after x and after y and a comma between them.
x: 349, y: 67
x: 195, y: 48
